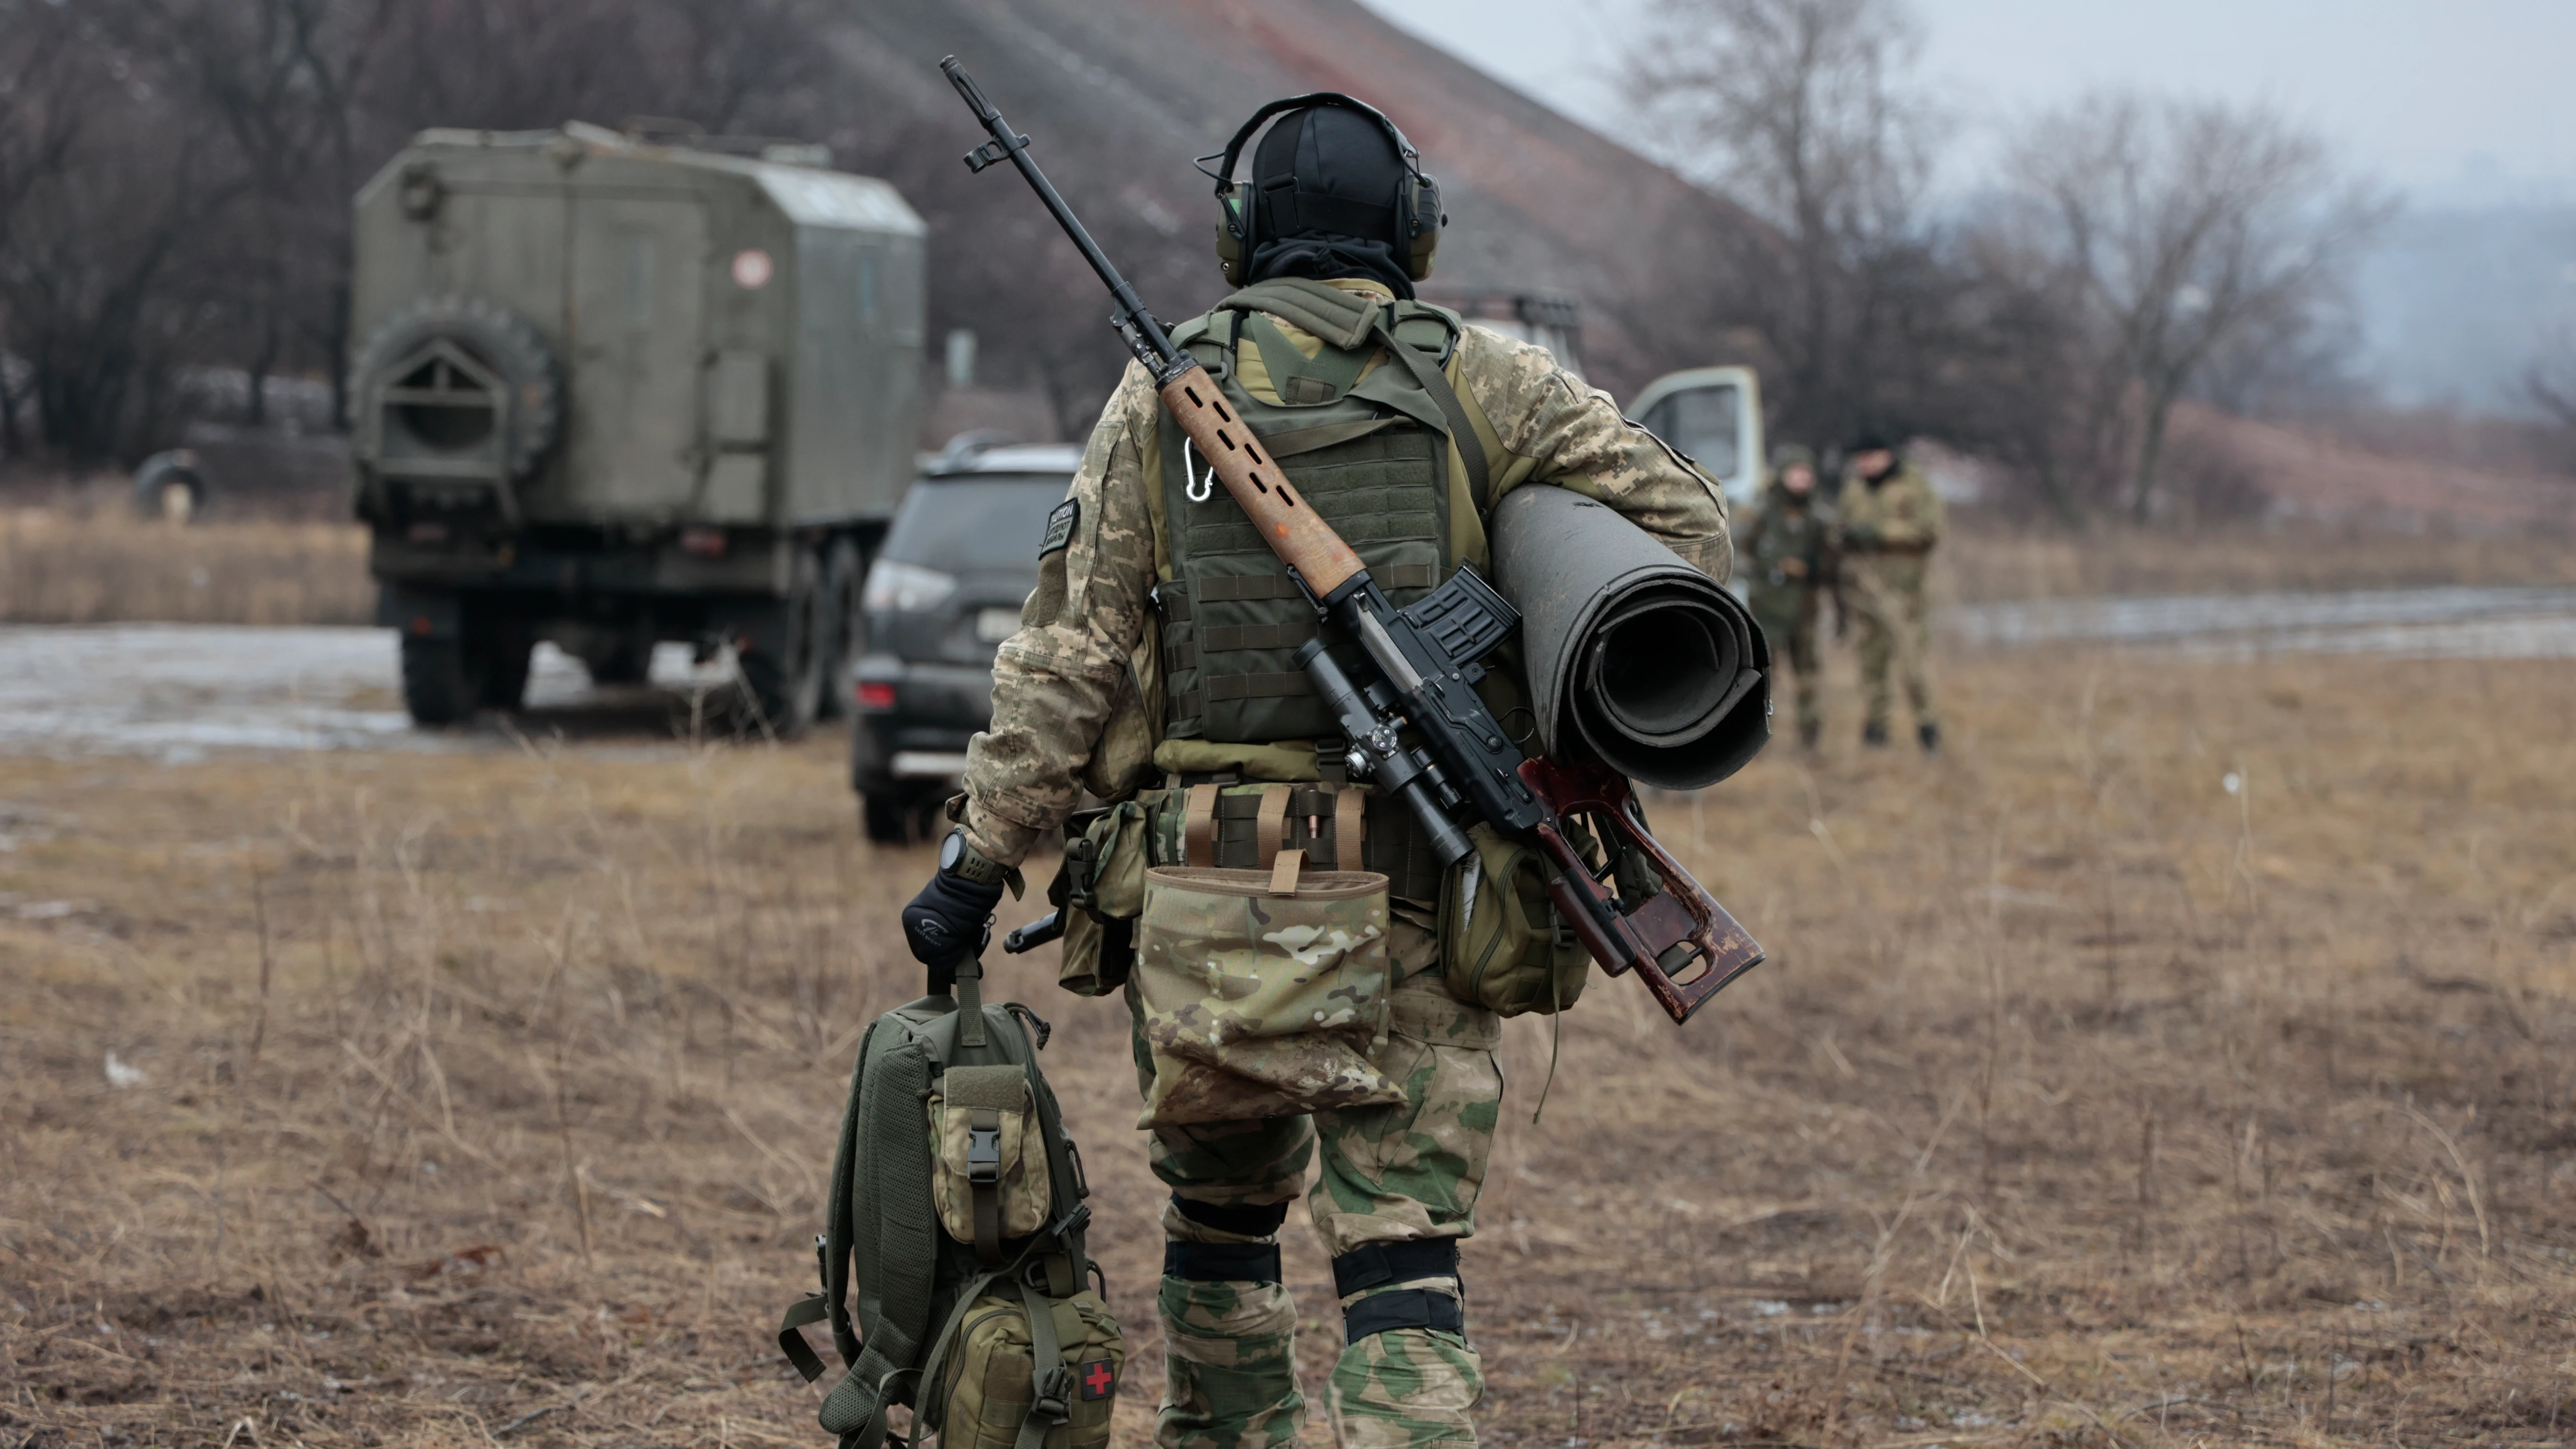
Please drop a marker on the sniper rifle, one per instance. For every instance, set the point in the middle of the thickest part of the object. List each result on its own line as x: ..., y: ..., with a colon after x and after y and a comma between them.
x: 1421, y: 665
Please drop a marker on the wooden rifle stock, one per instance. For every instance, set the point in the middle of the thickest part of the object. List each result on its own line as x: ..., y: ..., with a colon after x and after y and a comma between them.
x: 1295, y: 532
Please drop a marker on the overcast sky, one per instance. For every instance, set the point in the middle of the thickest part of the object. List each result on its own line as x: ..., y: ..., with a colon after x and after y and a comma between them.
x: 2452, y: 100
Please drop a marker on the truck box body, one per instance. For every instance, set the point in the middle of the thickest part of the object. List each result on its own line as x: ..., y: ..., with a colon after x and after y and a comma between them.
x: 608, y: 392
x: 739, y: 340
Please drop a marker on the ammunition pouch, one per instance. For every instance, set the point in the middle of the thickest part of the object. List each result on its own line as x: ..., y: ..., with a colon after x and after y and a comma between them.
x: 1098, y: 889
x: 1234, y: 826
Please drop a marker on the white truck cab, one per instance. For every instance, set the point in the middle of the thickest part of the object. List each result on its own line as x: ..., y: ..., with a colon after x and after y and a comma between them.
x: 1714, y: 414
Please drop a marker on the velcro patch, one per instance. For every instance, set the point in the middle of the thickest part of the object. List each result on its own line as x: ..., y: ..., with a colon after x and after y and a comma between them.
x: 1097, y: 1378
x: 1060, y: 524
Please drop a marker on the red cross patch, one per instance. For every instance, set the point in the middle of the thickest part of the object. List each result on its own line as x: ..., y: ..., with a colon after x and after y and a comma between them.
x: 1098, y: 1379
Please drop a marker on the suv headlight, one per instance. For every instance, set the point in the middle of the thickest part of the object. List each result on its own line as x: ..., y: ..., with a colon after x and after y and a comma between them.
x: 902, y: 588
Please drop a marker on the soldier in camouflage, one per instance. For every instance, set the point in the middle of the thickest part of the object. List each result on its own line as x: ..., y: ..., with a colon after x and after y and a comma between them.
x: 1790, y: 567
x: 1154, y: 653
x: 1890, y: 522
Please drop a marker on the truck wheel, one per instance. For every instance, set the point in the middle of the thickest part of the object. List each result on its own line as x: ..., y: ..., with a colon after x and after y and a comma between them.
x: 505, y: 647
x: 442, y: 680
x: 785, y: 683
x: 623, y: 663
x: 844, y: 571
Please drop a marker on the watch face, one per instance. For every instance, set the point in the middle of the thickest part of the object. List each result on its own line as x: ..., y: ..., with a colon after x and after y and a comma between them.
x: 952, y: 850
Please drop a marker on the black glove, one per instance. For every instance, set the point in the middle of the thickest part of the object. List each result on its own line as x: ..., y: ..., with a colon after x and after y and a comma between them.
x: 950, y: 920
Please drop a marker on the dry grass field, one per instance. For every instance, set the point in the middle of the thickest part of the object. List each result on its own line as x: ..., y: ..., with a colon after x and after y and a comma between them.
x: 87, y: 563
x: 371, y: 1099
x: 86, y: 559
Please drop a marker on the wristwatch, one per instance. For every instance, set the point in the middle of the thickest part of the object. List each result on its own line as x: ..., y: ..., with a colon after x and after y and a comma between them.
x: 961, y: 860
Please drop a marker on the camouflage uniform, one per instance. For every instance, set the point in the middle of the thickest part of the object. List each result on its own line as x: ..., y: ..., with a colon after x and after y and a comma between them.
x: 1787, y: 527
x: 1078, y: 703
x: 1888, y: 530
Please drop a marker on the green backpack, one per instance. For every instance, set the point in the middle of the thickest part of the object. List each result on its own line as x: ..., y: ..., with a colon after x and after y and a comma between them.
x: 956, y: 1213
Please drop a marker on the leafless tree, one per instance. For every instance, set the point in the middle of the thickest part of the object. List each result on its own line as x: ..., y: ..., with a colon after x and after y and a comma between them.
x: 2198, y: 232
x: 2549, y: 384
x: 1802, y: 111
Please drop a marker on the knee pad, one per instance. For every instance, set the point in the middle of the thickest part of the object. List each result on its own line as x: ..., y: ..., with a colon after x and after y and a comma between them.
x: 1226, y: 1262
x: 1246, y: 1222
x: 1373, y: 1264
x: 1222, y: 1262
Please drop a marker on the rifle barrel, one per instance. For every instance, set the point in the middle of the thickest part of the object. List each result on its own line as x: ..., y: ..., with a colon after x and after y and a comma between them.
x: 1147, y: 334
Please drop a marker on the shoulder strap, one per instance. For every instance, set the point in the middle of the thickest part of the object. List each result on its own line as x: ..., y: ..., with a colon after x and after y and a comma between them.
x: 1462, y: 429
x: 893, y: 1234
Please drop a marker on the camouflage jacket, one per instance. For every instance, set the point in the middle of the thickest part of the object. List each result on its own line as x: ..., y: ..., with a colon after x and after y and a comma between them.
x: 1077, y: 692
x: 1900, y: 515
x: 1784, y: 528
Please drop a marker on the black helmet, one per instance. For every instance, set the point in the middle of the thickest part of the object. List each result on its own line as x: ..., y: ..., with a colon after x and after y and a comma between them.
x: 1335, y: 190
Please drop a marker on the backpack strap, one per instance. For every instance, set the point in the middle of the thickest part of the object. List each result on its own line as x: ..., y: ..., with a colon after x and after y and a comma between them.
x: 893, y: 1238
x: 1051, y: 1402
x: 1462, y: 429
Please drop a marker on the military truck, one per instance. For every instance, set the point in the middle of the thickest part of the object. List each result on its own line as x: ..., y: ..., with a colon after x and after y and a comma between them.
x: 612, y: 389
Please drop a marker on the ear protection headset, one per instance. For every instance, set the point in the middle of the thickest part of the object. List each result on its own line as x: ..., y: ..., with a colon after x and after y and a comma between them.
x: 1416, y: 202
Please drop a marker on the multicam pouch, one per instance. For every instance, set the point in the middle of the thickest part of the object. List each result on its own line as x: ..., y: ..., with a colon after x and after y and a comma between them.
x: 1263, y: 993
x: 988, y: 1174
x: 985, y: 1389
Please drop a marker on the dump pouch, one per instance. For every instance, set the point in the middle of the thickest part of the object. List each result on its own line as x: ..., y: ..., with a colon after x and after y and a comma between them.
x: 1262, y: 993
x: 1504, y: 946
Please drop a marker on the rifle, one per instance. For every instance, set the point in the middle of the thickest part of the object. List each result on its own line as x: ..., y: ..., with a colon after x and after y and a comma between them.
x: 1424, y: 661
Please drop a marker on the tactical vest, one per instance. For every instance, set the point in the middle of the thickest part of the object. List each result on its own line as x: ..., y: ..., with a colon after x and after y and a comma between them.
x: 1369, y: 453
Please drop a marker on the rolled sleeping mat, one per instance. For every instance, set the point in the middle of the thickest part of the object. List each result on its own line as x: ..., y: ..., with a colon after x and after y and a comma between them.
x: 1636, y: 658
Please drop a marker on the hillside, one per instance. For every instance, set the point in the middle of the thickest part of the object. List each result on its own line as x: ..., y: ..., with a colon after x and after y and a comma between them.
x: 1121, y: 94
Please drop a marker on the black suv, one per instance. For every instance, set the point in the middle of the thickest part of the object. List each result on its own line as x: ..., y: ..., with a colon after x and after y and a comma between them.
x: 945, y: 590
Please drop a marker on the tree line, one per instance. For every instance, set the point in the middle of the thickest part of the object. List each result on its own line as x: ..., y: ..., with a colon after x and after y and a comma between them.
x: 176, y: 175
x: 2127, y: 253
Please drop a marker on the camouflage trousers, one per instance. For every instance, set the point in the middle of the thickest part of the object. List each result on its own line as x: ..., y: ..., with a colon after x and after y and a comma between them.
x: 1792, y: 632
x: 1401, y: 1172
x: 1895, y: 628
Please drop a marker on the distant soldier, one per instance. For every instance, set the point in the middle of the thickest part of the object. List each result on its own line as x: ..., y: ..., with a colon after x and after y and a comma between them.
x: 1787, y: 547
x: 1890, y: 523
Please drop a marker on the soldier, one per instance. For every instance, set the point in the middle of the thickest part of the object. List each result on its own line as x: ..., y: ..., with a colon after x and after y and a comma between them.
x: 1792, y: 567
x: 1890, y: 523
x: 1156, y: 651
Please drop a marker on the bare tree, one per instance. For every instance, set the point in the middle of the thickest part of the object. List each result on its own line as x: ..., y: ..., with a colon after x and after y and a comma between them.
x: 1801, y: 110
x: 2194, y: 229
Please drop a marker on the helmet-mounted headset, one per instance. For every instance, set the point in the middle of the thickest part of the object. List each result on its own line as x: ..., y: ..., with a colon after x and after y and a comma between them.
x: 1414, y: 209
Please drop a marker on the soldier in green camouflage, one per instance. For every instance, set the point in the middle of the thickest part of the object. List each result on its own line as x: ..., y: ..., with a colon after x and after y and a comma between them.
x: 1155, y: 653
x: 1891, y: 521
x: 1787, y: 547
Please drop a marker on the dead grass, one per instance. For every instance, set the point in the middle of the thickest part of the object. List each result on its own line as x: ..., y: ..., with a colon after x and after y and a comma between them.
x: 1984, y: 560
x: 488, y: 1098
x: 77, y: 565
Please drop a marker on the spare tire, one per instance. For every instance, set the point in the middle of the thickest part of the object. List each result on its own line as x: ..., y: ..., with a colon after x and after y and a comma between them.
x: 171, y: 485
x: 493, y: 336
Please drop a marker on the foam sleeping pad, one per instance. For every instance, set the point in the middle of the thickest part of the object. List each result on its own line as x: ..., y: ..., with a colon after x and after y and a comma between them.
x: 1636, y: 658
